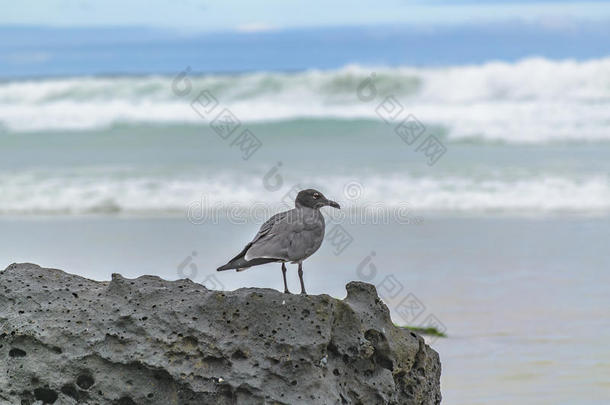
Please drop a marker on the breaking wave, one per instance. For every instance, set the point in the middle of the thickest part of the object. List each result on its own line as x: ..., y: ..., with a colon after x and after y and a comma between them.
x: 46, y: 192
x: 531, y: 101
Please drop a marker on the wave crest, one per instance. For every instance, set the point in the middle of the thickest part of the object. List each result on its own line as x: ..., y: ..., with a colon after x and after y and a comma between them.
x: 36, y: 192
x: 534, y: 100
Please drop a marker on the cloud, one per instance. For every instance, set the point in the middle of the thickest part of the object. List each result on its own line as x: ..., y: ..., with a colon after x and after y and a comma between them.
x: 255, y: 27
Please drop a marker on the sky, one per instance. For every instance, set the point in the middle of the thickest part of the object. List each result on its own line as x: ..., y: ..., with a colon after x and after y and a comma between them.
x: 244, y: 15
x: 69, y: 37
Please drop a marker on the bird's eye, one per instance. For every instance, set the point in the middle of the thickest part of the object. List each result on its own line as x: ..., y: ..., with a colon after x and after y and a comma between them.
x: 315, y: 196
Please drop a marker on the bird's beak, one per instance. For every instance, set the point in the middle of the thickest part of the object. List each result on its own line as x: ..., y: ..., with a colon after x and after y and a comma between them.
x: 333, y: 204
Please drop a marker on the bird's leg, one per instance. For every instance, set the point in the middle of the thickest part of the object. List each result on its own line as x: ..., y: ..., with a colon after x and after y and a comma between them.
x: 301, y: 278
x: 284, y: 274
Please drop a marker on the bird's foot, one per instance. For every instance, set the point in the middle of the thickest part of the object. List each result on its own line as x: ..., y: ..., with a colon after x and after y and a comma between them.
x: 303, y: 292
x: 286, y: 291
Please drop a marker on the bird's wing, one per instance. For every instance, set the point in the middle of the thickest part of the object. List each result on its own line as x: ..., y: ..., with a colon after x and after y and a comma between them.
x: 290, y: 235
x: 260, y: 247
x: 271, y: 225
x: 240, y: 260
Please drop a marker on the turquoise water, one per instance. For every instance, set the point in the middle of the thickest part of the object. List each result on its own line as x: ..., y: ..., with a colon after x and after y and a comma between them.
x: 529, y: 137
x: 163, y: 169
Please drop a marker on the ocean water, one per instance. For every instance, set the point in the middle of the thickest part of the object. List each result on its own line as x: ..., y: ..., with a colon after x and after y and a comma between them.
x: 529, y: 137
x: 482, y: 189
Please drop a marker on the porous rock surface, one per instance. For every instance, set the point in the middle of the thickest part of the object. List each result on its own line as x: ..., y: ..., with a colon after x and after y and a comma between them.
x: 65, y: 339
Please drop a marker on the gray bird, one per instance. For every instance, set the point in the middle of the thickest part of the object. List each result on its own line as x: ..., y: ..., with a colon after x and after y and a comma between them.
x: 290, y: 236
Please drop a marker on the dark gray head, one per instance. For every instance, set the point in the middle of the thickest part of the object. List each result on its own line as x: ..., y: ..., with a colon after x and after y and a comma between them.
x: 313, y: 199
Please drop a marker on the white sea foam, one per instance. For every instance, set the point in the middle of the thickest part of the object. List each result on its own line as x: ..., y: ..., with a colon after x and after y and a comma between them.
x: 531, y: 101
x: 106, y: 192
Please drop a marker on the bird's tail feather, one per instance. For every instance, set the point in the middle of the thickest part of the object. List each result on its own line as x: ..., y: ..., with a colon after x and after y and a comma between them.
x: 241, y: 264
